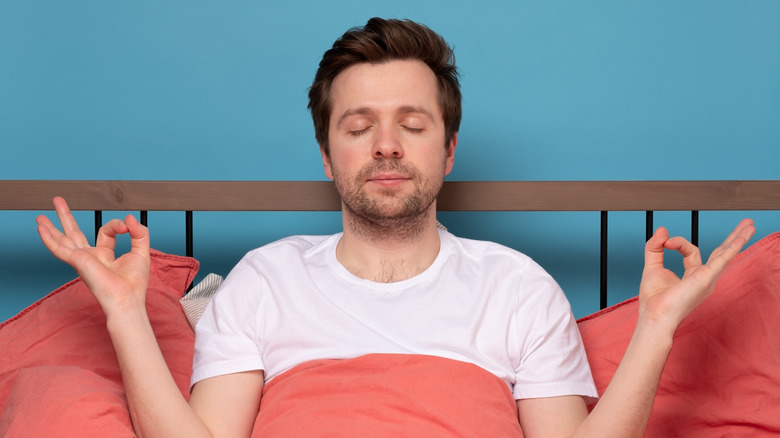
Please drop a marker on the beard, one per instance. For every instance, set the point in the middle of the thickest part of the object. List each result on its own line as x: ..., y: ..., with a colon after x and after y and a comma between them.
x: 388, y: 214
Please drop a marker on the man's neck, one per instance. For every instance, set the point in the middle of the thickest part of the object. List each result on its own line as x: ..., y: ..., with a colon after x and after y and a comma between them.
x: 388, y: 257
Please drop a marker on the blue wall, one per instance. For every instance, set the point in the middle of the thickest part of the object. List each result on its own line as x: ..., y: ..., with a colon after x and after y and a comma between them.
x: 553, y: 90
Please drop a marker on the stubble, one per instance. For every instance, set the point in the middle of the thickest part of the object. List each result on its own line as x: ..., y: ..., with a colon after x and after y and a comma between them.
x: 388, y: 214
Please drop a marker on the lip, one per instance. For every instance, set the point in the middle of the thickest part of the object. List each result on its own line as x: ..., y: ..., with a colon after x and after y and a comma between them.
x: 388, y: 180
x: 388, y: 177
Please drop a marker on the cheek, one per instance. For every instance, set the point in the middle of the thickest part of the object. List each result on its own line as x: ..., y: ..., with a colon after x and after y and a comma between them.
x: 440, y: 160
x: 340, y: 165
x: 347, y: 157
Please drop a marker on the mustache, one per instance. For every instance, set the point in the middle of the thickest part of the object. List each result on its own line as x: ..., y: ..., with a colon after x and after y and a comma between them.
x: 387, y: 165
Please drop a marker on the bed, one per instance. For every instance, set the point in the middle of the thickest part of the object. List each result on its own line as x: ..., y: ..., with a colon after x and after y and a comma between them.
x: 722, y: 378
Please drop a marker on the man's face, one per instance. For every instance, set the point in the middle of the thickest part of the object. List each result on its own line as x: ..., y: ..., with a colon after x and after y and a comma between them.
x: 387, y: 154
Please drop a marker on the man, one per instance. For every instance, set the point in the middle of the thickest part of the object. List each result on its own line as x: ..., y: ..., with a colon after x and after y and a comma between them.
x: 386, y: 108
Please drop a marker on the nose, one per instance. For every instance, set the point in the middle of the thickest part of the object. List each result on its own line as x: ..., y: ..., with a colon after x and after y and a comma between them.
x: 387, y: 144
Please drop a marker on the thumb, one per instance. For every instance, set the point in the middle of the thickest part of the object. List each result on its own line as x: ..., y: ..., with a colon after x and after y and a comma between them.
x: 654, y: 248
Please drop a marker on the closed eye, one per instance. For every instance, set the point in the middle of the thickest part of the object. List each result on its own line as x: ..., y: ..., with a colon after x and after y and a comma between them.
x: 413, y: 130
x: 359, y: 132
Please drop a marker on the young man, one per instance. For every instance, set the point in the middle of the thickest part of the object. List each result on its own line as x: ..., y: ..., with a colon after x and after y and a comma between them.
x: 386, y: 107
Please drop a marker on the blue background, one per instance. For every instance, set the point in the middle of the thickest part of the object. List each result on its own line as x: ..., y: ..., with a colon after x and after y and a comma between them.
x: 553, y: 90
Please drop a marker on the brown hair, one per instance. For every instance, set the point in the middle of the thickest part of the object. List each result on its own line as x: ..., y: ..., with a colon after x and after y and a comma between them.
x: 381, y: 41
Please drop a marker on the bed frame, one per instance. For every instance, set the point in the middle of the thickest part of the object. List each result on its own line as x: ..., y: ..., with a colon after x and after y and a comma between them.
x: 594, y: 196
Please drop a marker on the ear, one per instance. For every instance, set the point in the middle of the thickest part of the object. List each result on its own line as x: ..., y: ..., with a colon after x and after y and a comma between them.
x: 326, y: 163
x: 450, y: 160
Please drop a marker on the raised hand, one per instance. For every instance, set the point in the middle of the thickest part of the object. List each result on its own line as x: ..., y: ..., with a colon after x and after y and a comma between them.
x: 117, y: 283
x: 668, y: 299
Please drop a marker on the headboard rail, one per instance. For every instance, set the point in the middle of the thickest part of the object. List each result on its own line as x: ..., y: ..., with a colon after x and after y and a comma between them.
x: 455, y: 195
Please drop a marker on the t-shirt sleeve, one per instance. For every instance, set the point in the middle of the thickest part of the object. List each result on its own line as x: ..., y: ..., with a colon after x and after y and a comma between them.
x: 553, y: 360
x: 226, y: 335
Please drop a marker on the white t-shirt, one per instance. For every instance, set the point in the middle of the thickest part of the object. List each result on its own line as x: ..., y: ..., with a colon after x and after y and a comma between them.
x: 291, y: 302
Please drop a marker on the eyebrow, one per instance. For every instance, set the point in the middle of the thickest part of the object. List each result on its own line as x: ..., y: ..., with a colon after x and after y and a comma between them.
x: 406, y: 109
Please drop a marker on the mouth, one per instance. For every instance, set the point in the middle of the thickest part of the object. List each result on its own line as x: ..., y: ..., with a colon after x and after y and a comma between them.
x: 387, y: 179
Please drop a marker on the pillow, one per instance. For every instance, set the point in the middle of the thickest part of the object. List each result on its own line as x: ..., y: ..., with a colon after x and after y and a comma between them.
x: 194, y: 303
x: 67, y: 329
x: 74, y: 402
x: 721, y: 377
x: 410, y: 395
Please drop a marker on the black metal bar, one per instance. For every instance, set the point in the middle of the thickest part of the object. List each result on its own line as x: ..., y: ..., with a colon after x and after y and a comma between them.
x: 144, y: 218
x: 695, y: 227
x: 603, y: 267
x: 98, y: 223
x: 648, y: 225
x: 189, y: 234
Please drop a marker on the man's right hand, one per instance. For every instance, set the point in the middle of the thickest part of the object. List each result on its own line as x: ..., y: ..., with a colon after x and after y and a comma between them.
x: 117, y: 283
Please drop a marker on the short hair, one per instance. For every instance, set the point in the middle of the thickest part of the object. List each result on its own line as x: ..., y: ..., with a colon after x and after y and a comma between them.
x: 381, y: 41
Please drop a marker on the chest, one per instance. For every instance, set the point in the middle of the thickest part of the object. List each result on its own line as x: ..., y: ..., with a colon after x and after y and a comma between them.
x: 331, y: 319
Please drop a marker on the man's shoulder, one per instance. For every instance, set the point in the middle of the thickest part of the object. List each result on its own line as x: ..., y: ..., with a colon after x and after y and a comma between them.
x: 300, y: 243
x: 287, y: 249
x: 491, y: 261
x: 492, y: 255
x: 484, y: 248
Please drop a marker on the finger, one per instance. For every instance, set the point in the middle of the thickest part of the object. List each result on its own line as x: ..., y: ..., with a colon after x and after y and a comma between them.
x: 106, y: 237
x: 741, y: 233
x: 689, y: 251
x: 139, y: 235
x: 57, y: 243
x: 654, y: 248
x: 733, y: 244
x: 47, y: 235
x: 745, y: 230
x: 45, y: 223
x: 69, y: 225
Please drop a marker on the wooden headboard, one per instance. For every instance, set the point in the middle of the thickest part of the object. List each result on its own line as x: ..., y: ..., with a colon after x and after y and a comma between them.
x: 596, y: 196
x: 455, y: 195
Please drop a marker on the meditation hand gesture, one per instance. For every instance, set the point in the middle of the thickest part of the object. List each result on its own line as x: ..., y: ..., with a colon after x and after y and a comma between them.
x: 116, y: 283
x: 667, y: 299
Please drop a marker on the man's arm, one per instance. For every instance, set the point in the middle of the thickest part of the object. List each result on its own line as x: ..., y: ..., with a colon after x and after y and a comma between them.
x: 664, y: 301
x: 623, y: 410
x: 221, y: 406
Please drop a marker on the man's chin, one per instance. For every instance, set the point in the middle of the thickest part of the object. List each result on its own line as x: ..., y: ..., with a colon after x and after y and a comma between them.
x: 379, y: 208
x: 390, y: 210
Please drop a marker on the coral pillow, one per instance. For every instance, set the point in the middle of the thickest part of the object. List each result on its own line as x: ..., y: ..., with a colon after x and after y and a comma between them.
x: 66, y: 402
x: 722, y: 377
x: 65, y: 332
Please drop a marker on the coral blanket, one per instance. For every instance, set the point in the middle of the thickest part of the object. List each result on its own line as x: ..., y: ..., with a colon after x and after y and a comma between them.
x: 387, y: 395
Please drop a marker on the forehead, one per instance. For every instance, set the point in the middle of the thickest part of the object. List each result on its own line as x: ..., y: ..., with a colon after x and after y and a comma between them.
x: 385, y: 87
